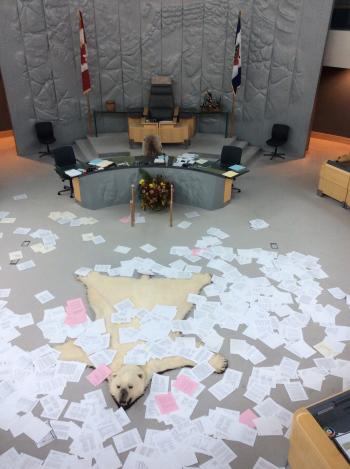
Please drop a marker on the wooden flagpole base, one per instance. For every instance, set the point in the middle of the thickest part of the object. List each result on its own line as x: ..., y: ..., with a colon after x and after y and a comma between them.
x: 132, y: 206
x: 171, y: 205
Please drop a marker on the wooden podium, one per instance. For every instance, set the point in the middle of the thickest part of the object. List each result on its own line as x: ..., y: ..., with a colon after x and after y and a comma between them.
x: 310, y: 447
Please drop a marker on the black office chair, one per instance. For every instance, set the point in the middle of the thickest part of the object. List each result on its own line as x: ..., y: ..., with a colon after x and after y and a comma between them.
x: 230, y: 155
x: 44, y: 132
x: 64, y: 160
x: 279, y: 136
x: 161, y: 103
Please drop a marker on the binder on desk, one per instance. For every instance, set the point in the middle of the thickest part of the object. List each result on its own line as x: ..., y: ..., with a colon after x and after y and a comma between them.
x: 237, y: 167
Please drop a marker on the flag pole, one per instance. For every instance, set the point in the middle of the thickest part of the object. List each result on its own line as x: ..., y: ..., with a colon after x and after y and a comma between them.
x: 89, y: 123
x: 236, y: 73
x: 85, y: 75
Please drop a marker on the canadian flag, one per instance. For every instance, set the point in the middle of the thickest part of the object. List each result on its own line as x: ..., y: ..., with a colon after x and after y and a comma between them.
x: 85, y: 75
x: 237, y: 60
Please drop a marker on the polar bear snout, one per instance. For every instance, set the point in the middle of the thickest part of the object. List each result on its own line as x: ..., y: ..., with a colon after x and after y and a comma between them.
x: 127, y: 385
x: 123, y: 399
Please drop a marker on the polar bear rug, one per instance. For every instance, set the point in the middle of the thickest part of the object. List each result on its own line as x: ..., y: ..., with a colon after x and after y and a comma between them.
x: 128, y: 382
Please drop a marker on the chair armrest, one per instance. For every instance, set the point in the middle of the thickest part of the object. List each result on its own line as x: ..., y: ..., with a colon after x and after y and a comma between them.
x: 176, y: 111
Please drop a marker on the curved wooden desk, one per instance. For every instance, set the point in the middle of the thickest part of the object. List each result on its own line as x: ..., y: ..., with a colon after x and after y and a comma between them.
x: 203, y: 187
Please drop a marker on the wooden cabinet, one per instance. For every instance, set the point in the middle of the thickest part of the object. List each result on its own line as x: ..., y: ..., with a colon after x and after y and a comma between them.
x: 310, y: 447
x: 335, y: 183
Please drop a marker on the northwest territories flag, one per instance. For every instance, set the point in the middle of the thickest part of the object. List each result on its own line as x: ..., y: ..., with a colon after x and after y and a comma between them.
x: 236, y: 66
x: 85, y: 75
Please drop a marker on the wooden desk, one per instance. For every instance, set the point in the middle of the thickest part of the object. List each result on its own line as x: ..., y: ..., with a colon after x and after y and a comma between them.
x: 334, y: 182
x: 310, y: 447
x: 203, y: 187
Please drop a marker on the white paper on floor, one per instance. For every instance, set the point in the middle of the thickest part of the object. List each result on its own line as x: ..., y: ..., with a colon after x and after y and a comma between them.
x: 270, y: 310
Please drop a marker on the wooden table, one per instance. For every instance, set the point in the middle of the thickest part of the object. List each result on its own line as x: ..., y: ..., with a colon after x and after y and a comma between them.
x: 310, y: 447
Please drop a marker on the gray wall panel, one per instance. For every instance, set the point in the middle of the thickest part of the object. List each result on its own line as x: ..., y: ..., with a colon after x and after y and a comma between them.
x: 130, y: 27
x: 35, y: 44
x: 191, y: 40
x: 193, y: 14
x: 60, y: 43
x: 15, y: 74
x: 151, y: 43
x: 172, y: 43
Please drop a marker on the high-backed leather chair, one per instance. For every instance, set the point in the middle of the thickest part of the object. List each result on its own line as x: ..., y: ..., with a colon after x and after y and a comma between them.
x: 161, y: 117
x: 161, y: 103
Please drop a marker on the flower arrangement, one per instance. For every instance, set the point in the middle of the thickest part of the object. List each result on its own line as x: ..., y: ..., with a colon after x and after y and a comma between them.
x: 154, y: 191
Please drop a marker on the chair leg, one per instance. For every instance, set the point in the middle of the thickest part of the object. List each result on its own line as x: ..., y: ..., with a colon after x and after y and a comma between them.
x: 275, y: 154
x: 236, y: 189
x: 44, y: 153
x: 66, y: 189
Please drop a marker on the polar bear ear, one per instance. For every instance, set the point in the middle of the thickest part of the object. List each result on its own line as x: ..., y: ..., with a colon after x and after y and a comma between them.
x: 112, y: 376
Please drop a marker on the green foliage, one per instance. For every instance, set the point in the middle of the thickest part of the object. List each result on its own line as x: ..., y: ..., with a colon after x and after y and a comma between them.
x: 154, y: 191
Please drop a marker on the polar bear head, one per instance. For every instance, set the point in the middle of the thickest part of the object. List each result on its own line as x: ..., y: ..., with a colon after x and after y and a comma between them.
x: 128, y: 384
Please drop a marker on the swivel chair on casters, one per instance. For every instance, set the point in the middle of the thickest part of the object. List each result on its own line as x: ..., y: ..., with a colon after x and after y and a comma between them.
x: 44, y: 133
x: 64, y: 160
x: 230, y: 155
x: 279, y: 136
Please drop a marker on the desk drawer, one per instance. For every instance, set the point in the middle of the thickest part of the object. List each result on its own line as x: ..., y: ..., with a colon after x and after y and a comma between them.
x: 334, y: 182
x: 335, y: 175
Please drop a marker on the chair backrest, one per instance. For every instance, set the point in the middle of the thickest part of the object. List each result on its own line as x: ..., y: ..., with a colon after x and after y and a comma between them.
x: 64, y: 156
x: 161, y: 102
x: 230, y: 155
x: 44, y: 130
x: 280, y: 132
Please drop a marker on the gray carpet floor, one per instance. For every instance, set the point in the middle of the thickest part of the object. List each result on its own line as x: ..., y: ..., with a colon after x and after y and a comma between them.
x: 281, y: 192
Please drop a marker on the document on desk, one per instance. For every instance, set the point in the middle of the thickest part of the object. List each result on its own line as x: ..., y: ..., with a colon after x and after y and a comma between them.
x: 230, y: 174
x: 105, y: 164
x: 73, y: 172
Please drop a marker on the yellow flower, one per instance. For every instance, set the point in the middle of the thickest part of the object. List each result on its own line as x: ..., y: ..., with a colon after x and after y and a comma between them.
x: 151, y: 185
x: 141, y: 181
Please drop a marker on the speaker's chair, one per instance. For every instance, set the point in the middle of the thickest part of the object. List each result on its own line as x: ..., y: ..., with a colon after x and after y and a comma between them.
x: 160, y: 117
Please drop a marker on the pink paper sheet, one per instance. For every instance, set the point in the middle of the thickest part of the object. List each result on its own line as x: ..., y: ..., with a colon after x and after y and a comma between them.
x: 99, y: 374
x: 166, y: 403
x: 76, y: 312
x: 197, y: 251
x: 75, y: 304
x: 125, y: 219
x: 186, y: 384
x: 76, y: 318
x: 247, y: 418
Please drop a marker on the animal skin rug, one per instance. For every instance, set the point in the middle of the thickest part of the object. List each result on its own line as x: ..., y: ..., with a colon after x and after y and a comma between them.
x: 128, y: 382
x: 103, y: 292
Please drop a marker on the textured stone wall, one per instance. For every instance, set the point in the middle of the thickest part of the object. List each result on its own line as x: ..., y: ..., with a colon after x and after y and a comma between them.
x: 191, y: 40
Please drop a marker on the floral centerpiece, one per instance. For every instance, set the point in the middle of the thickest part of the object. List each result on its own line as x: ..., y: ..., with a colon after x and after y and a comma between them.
x: 154, y: 191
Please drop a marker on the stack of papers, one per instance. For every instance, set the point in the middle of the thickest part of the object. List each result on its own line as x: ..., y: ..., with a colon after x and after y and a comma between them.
x: 99, y: 163
x: 74, y: 172
x: 185, y: 158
